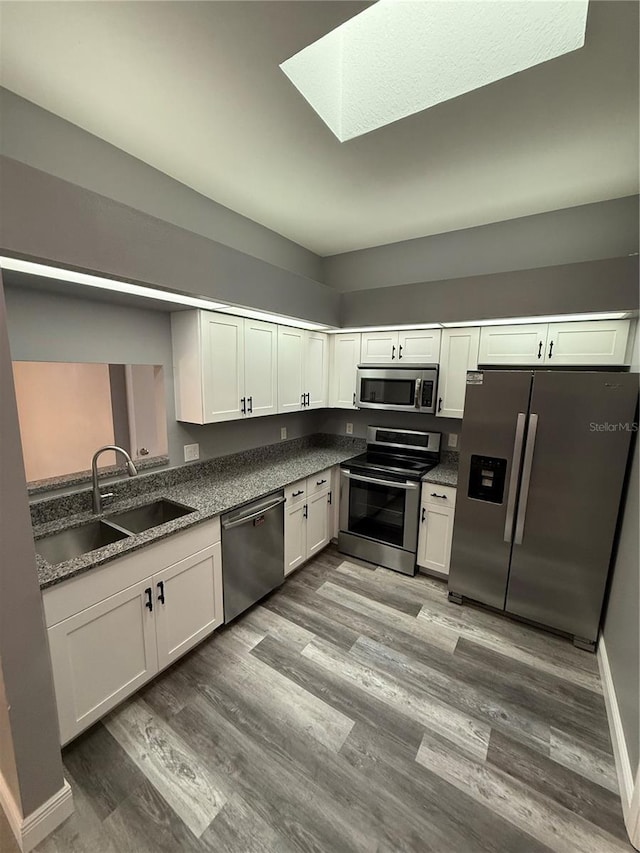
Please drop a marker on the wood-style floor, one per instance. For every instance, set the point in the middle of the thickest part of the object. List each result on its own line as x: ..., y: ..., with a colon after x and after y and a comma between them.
x: 355, y: 710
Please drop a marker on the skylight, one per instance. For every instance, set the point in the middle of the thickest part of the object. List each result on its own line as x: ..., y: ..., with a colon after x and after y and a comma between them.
x: 400, y: 57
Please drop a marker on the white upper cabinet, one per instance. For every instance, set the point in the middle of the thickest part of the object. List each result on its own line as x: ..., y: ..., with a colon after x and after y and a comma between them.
x: 317, y: 370
x: 344, y: 360
x: 419, y: 346
x: 303, y: 369
x: 260, y: 367
x: 225, y: 367
x: 595, y: 342
x: 291, y: 352
x: 513, y: 344
x: 379, y: 347
x: 459, y: 353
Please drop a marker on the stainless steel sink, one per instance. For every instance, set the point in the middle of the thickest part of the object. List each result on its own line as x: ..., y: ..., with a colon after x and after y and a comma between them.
x: 150, y: 515
x: 77, y: 540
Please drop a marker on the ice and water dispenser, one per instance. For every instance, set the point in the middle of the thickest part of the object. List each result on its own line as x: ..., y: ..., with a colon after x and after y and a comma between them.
x: 486, y: 478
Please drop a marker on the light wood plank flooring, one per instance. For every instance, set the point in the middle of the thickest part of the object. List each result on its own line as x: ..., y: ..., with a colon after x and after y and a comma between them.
x: 355, y: 710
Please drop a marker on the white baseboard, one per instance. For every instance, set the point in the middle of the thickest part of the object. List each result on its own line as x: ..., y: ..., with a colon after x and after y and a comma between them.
x: 629, y: 786
x: 34, y: 828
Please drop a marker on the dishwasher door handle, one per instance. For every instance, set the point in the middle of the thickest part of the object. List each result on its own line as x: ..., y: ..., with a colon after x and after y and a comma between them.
x: 245, y: 519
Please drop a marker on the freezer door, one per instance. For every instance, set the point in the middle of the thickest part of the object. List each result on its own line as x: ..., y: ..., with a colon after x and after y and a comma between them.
x: 492, y: 432
x: 575, y: 465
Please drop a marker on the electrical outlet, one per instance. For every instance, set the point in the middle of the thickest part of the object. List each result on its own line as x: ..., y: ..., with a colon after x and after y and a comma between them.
x: 453, y: 439
x: 283, y: 433
x: 349, y: 429
x: 191, y: 452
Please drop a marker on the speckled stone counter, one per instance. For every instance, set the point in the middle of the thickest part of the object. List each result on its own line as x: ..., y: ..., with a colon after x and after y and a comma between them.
x: 446, y: 473
x: 211, y: 488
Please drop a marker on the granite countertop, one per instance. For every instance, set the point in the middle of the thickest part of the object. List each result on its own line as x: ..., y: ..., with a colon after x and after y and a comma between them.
x: 210, y: 494
x: 444, y: 474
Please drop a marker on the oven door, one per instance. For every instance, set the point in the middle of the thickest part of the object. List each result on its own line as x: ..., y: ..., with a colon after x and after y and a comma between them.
x: 394, y: 388
x: 381, y: 508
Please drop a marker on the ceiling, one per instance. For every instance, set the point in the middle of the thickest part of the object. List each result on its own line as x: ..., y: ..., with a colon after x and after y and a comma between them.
x: 194, y: 89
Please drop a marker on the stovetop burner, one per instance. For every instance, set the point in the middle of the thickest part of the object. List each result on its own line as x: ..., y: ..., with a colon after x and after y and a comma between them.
x: 406, y: 453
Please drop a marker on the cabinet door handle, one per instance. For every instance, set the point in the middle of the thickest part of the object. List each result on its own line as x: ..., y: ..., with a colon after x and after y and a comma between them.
x: 149, y: 601
x: 320, y: 482
x: 304, y: 397
x: 296, y: 494
x: 393, y: 352
x: 330, y: 498
x: 354, y: 398
x: 305, y: 511
x: 243, y: 405
x: 160, y: 586
x: 308, y: 398
x: 400, y: 351
x: 439, y: 404
x: 250, y: 402
x: 540, y: 349
x: 550, y: 348
x: 424, y: 512
x: 436, y: 495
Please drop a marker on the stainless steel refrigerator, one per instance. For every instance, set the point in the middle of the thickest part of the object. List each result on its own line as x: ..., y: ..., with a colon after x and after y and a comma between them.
x: 542, y: 469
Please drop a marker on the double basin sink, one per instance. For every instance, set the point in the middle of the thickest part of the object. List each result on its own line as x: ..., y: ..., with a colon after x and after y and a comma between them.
x: 77, y: 541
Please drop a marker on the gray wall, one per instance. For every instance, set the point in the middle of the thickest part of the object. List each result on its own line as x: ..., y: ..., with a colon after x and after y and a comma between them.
x: 27, y: 687
x: 45, y: 141
x: 607, y: 229
x: 603, y: 285
x: 44, y: 217
x: 335, y: 420
x: 622, y: 620
x: 50, y: 327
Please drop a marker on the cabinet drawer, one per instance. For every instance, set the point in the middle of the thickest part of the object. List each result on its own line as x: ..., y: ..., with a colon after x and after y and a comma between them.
x: 320, y: 482
x: 296, y: 492
x: 442, y: 496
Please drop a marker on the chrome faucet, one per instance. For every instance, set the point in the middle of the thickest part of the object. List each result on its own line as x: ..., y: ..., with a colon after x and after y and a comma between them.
x: 131, y: 470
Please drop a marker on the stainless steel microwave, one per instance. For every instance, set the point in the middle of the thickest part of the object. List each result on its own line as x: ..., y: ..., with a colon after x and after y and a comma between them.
x: 410, y: 388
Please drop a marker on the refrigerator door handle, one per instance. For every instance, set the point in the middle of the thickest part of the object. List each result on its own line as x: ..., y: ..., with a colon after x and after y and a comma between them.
x: 513, y: 479
x: 526, y: 478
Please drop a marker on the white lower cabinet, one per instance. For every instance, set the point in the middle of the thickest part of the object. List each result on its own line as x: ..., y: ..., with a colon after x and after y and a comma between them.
x: 436, y: 527
x: 100, y: 656
x: 309, y: 518
x: 109, y: 636
x: 188, y: 603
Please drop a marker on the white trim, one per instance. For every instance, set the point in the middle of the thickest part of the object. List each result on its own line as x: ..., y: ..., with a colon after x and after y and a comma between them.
x: 31, y: 830
x: 11, y: 809
x: 629, y: 792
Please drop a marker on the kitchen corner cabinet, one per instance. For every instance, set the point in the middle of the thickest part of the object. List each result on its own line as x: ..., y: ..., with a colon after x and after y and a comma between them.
x: 112, y: 629
x: 435, y: 534
x: 309, y: 518
x: 303, y: 369
x: 417, y: 346
x: 344, y: 361
x: 458, y: 353
x: 587, y: 344
x: 225, y: 367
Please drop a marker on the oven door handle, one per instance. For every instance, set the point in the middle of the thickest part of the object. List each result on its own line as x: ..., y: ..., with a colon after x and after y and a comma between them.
x: 416, y: 400
x: 407, y: 485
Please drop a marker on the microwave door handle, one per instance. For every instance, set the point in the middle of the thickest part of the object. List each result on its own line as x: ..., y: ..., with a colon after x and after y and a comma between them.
x: 416, y: 401
x: 513, y: 479
x: 526, y: 479
x: 407, y: 485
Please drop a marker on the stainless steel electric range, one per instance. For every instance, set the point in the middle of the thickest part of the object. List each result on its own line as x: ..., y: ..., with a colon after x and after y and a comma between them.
x: 380, y: 496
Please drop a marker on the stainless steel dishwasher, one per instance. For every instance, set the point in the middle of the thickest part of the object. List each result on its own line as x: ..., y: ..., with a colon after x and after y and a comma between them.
x: 252, y: 552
